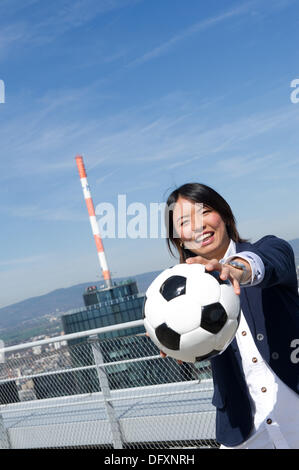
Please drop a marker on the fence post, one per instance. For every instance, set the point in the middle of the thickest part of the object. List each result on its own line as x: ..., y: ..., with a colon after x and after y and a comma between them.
x: 104, y: 384
x: 4, y: 439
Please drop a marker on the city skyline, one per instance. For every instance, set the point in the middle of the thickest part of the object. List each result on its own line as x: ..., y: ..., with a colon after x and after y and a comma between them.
x: 152, y: 95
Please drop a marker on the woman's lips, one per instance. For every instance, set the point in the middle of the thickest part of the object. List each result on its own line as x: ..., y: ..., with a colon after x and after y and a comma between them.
x: 207, y: 240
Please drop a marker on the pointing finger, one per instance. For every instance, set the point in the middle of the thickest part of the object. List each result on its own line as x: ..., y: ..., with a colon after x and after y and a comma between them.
x: 236, y: 286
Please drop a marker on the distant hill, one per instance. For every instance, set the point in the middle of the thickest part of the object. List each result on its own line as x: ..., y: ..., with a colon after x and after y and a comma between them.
x: 58, y: 301
x: 62, y: 300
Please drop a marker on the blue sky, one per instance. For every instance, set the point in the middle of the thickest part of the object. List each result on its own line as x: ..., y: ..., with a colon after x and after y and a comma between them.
x: 153, y: 94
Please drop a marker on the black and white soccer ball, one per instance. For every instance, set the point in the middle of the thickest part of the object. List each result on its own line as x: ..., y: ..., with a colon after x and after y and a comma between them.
x: 190, y: 313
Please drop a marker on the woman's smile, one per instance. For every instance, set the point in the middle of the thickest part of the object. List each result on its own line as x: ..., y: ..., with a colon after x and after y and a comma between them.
x: 205, y: 239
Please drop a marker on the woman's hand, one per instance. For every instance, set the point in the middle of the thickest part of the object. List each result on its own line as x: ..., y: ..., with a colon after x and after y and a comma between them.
x: 226, y: 271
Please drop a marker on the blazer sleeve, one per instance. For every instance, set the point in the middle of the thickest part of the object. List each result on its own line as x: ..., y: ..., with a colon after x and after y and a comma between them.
x: 279, y: 262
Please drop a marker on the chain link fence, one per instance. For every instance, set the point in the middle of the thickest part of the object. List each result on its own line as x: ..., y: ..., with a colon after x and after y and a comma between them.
x: 112, y: 393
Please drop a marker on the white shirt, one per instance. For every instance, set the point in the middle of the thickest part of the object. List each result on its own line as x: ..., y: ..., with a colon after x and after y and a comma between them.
x: 276, y: 416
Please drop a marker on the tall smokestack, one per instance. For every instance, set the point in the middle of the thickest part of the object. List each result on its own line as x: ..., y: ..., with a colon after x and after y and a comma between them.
x: 93, y: 221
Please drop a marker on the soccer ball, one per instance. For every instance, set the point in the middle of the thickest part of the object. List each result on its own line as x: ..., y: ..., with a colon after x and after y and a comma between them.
x: 190, y: 313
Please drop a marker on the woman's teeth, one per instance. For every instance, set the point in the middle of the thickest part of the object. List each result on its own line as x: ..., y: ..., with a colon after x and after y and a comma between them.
x: 204, y: 237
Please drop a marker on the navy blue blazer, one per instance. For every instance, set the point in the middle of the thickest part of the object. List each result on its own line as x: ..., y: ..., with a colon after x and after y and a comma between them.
x: 271, y: 310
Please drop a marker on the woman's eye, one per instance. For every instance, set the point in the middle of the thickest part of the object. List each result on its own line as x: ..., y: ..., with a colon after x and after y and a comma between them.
x: 184, y: 222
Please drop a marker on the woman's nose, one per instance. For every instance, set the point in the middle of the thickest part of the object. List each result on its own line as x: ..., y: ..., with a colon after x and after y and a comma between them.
x: 197, y: 223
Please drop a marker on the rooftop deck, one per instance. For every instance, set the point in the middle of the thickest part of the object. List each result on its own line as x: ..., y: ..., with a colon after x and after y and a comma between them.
x: 137, y: 399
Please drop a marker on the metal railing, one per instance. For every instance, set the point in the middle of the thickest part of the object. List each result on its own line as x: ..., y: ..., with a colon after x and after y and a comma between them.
x: 79, y: 390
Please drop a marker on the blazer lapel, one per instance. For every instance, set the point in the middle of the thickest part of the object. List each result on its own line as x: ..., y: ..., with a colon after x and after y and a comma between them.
x: 246, y: 308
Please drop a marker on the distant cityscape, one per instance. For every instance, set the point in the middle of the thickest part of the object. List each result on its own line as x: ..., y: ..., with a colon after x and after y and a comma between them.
x: 24, y: 372
x: 31, y: 362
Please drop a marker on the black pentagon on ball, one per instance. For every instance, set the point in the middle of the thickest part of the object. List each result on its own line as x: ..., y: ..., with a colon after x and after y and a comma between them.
x: 213, y: 317
x: 173, y: 287
x: 216, y: 275
x: 167, y: 337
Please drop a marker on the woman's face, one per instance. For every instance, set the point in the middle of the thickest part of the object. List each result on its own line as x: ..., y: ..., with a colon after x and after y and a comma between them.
x: 200, y: 228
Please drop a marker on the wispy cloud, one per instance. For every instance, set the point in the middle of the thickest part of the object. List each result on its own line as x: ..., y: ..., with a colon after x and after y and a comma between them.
x: 36, y: 212
x: 10, y: 35
x: 195, y: 28
x: 256, y: 8
x: 74, y: 14
x: 177, y: 136
x: 42, y: 22
x: 243, y: 165
x: 143, y: 186
x: 106, y: 176
x: 21, y: 261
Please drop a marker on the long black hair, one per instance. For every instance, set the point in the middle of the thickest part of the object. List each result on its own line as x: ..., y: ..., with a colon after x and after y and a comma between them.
x: 200, y: 193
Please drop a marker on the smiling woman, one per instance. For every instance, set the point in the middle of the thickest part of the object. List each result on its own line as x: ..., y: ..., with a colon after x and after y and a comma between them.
x: 256, y: 381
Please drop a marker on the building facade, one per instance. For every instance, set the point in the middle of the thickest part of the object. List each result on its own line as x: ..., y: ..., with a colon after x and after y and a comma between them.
x: 107, y: 306
x: 120, y: 303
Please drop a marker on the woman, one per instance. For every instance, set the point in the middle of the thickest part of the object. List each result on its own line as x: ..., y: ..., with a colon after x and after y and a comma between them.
x: 256, y: 379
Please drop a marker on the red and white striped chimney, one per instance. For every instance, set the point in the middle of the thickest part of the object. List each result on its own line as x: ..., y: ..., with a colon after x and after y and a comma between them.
x: 93, y: 221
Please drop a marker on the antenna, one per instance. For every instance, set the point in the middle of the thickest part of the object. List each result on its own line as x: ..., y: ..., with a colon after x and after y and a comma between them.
x: 93, y: 221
